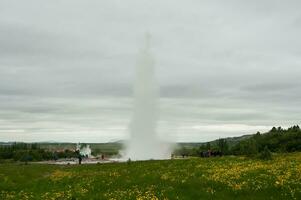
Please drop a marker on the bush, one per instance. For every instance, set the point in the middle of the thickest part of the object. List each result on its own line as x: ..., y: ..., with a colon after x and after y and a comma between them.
x: 265, y: 154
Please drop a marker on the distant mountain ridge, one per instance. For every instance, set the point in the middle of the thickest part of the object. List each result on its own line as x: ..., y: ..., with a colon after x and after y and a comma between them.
x: 231, y: 140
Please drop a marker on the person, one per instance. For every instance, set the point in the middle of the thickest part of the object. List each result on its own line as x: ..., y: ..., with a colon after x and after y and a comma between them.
x: 79, y: 159
x: 102, y: 156
x: 209, y: 152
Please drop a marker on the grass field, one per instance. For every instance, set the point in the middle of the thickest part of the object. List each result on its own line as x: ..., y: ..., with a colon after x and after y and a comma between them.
x: 195, y: 178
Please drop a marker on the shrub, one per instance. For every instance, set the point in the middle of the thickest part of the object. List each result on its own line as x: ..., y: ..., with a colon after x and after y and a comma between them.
x: 265, y: 154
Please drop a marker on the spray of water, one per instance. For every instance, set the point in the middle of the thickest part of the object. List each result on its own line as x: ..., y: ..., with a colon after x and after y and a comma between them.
x: 84, y: 151
x: 144, y: 143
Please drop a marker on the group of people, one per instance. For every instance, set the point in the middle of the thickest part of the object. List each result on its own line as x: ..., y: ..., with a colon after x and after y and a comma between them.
x: 203, y: 154
x: 210, y: 153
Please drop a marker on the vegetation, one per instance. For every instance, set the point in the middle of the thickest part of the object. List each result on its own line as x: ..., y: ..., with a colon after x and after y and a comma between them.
x: 263, y: 167
x: 31, y: 152
x: 276, y: 140
x: 108, y: 149
x: 266, y: 154
x: 26, y: 152
x: 228, y: 177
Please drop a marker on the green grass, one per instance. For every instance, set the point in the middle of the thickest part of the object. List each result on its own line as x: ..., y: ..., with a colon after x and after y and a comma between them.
x: 196, y: 178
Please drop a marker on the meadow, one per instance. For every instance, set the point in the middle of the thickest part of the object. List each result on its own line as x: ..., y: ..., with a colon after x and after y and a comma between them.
x: 226, y: 177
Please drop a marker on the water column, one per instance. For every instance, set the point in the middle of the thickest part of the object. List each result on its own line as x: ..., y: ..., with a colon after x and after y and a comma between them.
x: 144, y: 143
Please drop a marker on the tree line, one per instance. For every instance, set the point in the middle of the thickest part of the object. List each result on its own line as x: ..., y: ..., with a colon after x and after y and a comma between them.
x: 31, y: 152
x: 276, y: 140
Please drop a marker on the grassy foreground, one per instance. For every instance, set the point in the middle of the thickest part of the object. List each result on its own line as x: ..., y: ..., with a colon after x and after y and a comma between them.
x: 196, y: 178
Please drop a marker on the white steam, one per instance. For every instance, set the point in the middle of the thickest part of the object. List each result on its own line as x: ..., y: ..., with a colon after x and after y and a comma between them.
x: 144, y: 143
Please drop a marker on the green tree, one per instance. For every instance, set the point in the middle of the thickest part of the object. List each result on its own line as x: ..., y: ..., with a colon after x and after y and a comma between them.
x: 223, y: 146
x: 208, y: 146
x: 249, y: 147
x: 266, y: 154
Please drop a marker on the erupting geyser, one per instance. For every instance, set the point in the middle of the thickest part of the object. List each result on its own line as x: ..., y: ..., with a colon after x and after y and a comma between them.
x: 144, y: 143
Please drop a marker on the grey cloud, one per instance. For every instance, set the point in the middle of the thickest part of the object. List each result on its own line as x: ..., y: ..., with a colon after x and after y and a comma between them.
x: 274, y: 86
x: 69, y: 65
x: 22, y: 41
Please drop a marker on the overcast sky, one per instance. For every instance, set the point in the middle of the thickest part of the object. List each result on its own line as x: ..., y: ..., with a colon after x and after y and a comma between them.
x: 225, y: 68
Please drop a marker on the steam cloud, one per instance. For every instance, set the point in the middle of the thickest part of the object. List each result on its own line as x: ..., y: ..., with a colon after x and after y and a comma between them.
x: 144, y: 143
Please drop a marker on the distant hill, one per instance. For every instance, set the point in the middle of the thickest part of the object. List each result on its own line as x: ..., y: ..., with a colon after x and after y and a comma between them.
x: 116, y: 145
x: 232, y: 141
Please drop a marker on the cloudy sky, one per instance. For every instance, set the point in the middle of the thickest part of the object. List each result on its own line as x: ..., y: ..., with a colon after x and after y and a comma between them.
x: 225, y: 68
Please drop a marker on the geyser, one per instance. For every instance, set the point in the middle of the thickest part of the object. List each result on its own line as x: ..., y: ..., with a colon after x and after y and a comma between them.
x: 144, y: 143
